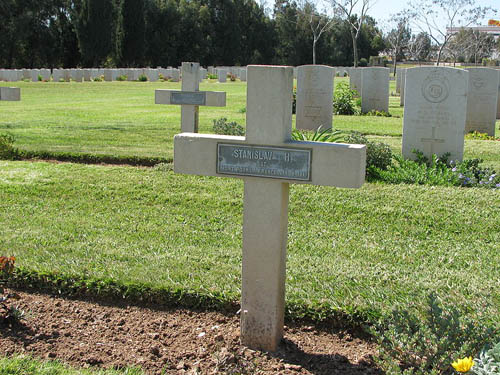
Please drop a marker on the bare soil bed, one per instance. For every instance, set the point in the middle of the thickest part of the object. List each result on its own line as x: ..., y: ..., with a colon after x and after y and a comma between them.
x: 95, y: 333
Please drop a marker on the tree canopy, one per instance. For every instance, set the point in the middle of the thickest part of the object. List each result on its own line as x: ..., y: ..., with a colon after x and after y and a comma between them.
x: 132, y: 33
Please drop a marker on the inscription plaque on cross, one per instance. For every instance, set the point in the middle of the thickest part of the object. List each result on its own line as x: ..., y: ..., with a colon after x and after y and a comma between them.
x: 267, y: 160
x: 10, y: 94
x: 190, y: 98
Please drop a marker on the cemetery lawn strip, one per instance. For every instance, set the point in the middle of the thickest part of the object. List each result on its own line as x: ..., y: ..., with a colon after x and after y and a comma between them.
x: 351, y: 253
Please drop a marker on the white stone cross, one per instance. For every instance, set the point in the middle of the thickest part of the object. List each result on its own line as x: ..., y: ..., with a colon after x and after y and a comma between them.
x: 268, y: 160
x: 10, y: 93
x: 190, y: 98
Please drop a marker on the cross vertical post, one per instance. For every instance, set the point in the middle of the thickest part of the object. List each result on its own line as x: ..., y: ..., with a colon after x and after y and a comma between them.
x: 190, y: 82
x: 269, y: 119
x: 268, y: 160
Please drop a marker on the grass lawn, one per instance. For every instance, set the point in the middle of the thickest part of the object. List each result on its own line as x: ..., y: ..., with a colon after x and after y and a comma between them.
x: 121, y: 119
x: 354, y: 251
x: 26, y: 366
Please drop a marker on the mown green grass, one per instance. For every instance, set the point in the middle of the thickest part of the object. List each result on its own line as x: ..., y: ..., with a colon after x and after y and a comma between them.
x: 120, y: 119
x: 357, y: 252
x: 22, y: 365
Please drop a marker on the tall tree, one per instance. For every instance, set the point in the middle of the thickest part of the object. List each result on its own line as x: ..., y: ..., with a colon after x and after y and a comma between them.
x: 419, y: 46
x: 319, y: 22
x: 133, y: 31
x: 95, y: 28
x: 438, y: 17
x: 162, y: 33
x: 346, y: 9
x: 397, y: 39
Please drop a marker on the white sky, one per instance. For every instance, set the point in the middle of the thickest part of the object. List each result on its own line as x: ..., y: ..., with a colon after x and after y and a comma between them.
x: 383, y: 8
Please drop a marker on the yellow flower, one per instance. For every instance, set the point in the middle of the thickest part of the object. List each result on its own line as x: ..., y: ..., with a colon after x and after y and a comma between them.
x: 463, y: 365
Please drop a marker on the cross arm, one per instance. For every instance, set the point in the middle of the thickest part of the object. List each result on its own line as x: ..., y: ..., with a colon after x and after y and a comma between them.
x: 332, y: 164
x: 200, y: 98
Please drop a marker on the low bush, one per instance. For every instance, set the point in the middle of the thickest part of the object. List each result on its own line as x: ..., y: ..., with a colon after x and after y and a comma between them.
x: 344, y: 100
x: 438, y: 172
x: 222, y: 126
x: 9, y: 314
x: 319, y: 135
x: 378, y: 155
x: 7, y: 149
x: 98, y: 79
x: 427, y: 344
x: 294, y: 102
x: 488, y: 361
x: 142, y: 78
x: 374, y: 112
x: 232, y: 77
x: 475, y: 135
x: 121, y: 78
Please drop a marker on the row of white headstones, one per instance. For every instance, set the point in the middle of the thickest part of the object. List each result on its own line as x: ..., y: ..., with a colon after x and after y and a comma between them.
x: 131, y: 74
x: 442, y: 104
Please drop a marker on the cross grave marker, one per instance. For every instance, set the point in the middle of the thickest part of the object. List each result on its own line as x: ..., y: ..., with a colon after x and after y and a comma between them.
x: 190, y: 98
x: 267, y: 160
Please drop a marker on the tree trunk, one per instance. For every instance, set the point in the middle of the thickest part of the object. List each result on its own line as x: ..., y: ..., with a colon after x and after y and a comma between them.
x: 439, y: 53
x: 355, y: 49
x: 314, y: 51
x: 394, y: 64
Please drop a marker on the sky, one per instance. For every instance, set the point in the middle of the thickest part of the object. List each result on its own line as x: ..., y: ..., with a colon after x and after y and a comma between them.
x: 383, y: 8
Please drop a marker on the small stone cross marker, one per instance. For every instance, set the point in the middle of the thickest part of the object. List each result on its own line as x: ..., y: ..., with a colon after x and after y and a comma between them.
x: 268, y: 160
x: 433, y: 140
x: 190, y: 98
x: 10, y: 94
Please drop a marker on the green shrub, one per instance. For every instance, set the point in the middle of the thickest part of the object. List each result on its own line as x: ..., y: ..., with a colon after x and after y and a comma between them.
x: 221, y: 126
x: 488, y: 361
x: 211, y: 76
x: 98, y: 79
x: 438, y: 172
x: 142, y: 78
x: 475, y: 135
x: 428, y: 344
x: 363, y: 62
x: 343, y: 100
x: 378, y: 154
x: 7, y: 149
x: 40, y: 78
x: 232, y: 77
x: 374, y: 112
x: 121, y: 78
x: 319, y: 135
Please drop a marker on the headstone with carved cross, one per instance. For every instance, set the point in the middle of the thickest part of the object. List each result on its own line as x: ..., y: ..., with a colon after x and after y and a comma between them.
x: 190, y: 98
x: 267, y: 160
x: 10, y: 94
x: 435, y: 111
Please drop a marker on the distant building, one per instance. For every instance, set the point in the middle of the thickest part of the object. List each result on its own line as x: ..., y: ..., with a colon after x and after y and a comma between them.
x: 493, y: 28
